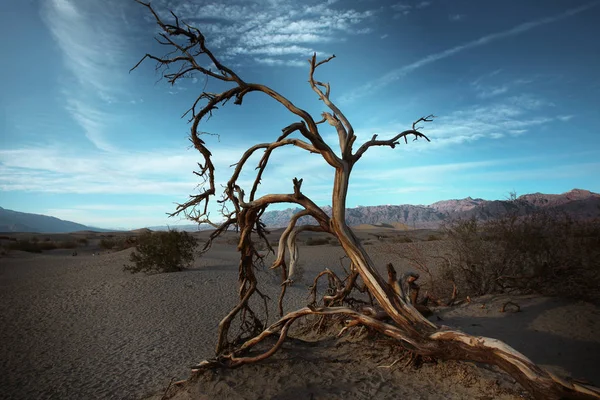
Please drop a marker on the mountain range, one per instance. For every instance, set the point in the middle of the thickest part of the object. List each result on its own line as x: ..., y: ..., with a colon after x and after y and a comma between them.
x: 578, y: 203
x: 15, y: 221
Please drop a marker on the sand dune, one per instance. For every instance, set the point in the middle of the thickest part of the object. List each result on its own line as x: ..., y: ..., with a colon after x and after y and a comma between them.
x: 81, y: 327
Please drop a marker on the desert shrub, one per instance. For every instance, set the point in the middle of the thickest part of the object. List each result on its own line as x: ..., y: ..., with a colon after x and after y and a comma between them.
x: 432, y: 238
x: 35, y: 246
x: 25, y: 245
x: 83, y: 241
x: 67, y: 244
x: 157, y: 252
x: 316, y: 241
x: 402, y: 239
x: 548, y: 253
x: 116, y: 243
x: 45, y: 246
x: 108, y: 244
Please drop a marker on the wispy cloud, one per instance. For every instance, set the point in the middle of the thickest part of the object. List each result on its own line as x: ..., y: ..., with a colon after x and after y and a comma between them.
x: 456, y: 17
x: 88, y: 35
x: 565, y: 118
x: 402, y: 9
x: 493, y: 84
x: 484, y: 40
x: 59, y: 170
x: 277, y: 62
x: 512, y: 116
x: 503, y: 117
x: 279, y: 30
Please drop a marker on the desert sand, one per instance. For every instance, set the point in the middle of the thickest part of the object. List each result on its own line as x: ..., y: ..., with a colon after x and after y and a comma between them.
x: 75, y: 327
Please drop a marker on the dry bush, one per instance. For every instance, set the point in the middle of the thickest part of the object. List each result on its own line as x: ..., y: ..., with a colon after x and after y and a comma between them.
x: 25, y: 245
x: 118, y: 243
x: 548, y: 253
x: 316, y: 241
x: 157, y: 252
x: 108, y: 244
x: 67, y: 244
x: 437, y: 284
x: 33, y: 245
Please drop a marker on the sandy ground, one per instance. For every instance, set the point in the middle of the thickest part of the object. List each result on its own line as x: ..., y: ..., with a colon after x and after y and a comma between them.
x: 81, y: 327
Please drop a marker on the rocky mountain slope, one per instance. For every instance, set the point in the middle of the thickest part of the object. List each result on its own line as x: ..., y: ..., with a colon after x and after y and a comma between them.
x: 580, y: 204
x: 577, y: 203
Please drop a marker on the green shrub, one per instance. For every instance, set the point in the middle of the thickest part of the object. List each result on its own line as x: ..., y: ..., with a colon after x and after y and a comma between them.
x: 158, y: 252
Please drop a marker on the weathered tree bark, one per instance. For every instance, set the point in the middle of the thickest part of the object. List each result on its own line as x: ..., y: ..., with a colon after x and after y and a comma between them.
x: 407, y: 324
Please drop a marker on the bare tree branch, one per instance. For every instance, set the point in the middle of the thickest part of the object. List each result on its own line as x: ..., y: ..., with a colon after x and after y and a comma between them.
x: 395, y: 140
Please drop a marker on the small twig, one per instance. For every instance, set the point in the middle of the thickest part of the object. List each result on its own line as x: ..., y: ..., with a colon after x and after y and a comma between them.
x: 164, y: 396
x: 392, y: 364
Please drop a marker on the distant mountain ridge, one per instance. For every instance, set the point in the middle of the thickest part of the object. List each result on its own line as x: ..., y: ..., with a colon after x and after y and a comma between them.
x: 15, y: 221
x: 578, y: 203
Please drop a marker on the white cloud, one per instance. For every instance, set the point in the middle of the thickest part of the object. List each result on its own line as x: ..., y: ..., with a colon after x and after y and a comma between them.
x: 161, y: 172
x: 278, y: 62
x: 401, y: 9
x: 565, y: 118
x: 456, y: 17
x: 396, y: 74
x: 492, y: 85
x: 493, y: 91
x: 510, y: 116
x: 274, y: 29
x: 90, y: 38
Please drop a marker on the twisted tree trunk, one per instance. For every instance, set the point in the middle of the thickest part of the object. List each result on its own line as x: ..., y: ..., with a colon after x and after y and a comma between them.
x: 408, y: 326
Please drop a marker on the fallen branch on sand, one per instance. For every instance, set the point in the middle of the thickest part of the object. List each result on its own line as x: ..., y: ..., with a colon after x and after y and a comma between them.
x: 397, y: 316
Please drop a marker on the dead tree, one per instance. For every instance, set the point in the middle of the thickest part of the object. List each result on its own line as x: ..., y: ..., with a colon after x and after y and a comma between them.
x: 244, y: 209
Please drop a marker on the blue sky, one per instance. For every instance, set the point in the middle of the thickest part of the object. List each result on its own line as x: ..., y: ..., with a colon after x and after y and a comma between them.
x: 514, y: 84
